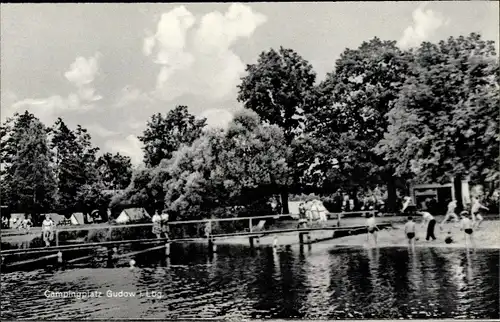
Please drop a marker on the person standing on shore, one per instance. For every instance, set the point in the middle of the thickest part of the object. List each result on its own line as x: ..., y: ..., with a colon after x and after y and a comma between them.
x: 476, y: 211
x: 302, y: 216
x: 156, y: 224
x: 410, y: 231
x: 321, y: 212
x: 47, y: 230
x: 466, y: 227
x: 164, y: 223
x: 406, y: 203
x: 371, y: 227
x: 428, y: 219
x: 450, y: 213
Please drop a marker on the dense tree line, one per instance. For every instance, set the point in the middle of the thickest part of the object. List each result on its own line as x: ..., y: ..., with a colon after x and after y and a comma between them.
x: 382, y: 118
x: 56, y: 169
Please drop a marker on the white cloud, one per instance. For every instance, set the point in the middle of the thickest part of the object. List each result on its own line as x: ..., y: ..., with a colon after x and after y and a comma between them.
x: 83, y: 70
x: 217, y: 118
x: 82, y: 74
x: 425, y: 24
x: 46, y: 109
x: 130, y: 146
x: 198, y: 58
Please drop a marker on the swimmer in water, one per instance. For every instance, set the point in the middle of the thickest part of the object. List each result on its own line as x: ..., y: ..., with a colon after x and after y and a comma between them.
x: 371, y: 227
x: 410, y: 231
x: 466, y: 227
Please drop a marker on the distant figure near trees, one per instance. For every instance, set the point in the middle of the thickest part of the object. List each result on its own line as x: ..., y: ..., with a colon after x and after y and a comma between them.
x: 47, y: 230
x: 302, y: 216
x: 164, y: 223
x: 157, y: 225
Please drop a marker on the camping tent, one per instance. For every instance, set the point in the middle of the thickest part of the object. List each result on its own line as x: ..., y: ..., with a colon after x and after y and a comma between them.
x: 131, y: 214
x: 293, y: 207
x: 77, y: 218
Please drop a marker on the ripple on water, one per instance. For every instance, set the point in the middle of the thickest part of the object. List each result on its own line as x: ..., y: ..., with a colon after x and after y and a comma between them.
x: 345, y: 284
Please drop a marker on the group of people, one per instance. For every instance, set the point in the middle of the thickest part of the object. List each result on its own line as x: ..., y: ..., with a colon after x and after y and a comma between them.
x: 160, y: 224
x: 468, y: 222
x: 312, y: 211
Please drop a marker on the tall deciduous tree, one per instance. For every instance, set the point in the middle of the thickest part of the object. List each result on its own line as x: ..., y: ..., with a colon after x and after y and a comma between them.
x: 445, y: 122
x: 75, y: 160
x: 115, y: 170
x: 279, y: 88
x: 165, y: 134
x: 237, y: 168
x: 33, y: 185
x: 351, y: 117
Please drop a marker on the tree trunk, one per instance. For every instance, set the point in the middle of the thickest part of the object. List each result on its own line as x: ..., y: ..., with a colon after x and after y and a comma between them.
x: 457, y: 183
x: 284, y: 201
x: 391, y: 194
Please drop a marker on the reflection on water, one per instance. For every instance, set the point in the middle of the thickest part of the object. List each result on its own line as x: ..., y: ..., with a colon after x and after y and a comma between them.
x: 267, y: 283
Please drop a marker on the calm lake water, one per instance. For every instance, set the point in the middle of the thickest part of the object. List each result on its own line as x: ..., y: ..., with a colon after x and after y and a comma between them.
x: 322, y: 282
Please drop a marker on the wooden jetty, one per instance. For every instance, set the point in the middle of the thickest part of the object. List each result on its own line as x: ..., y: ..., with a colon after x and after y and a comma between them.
x: 112, y: 246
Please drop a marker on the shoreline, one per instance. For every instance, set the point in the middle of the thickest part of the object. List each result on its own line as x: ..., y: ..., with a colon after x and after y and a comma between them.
x: 486, y: 237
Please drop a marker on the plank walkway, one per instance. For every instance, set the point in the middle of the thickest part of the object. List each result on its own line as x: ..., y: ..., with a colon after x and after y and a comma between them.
x: 40, y: 250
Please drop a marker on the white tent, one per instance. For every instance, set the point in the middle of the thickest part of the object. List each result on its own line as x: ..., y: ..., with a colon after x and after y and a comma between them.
x: 131, y: 214
x: 77, y: 218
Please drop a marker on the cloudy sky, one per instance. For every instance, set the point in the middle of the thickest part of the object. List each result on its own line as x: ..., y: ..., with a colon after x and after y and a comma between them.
x: 109, y: 67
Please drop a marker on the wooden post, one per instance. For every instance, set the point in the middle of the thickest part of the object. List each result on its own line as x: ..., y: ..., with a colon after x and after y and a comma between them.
x: 167, y: 249
x: 250, y: 224
x: 301, y: 238
x: 339, y: 215
x: 57, y: 237
x: 251, y: 241
x: 214, y: 247
x: 275, y: 242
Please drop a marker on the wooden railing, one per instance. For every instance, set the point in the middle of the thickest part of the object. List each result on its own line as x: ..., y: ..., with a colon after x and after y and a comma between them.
x: 251, y: 221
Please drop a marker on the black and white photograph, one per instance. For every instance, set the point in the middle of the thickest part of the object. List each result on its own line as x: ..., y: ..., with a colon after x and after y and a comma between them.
x: 256, y: 161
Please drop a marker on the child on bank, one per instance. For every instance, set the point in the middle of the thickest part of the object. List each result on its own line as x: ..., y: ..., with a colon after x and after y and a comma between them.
x: 157, y: 225
x: 371, y: 227
x: 466, y: 227
x: 476, y: 211
x: 410, y: 231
